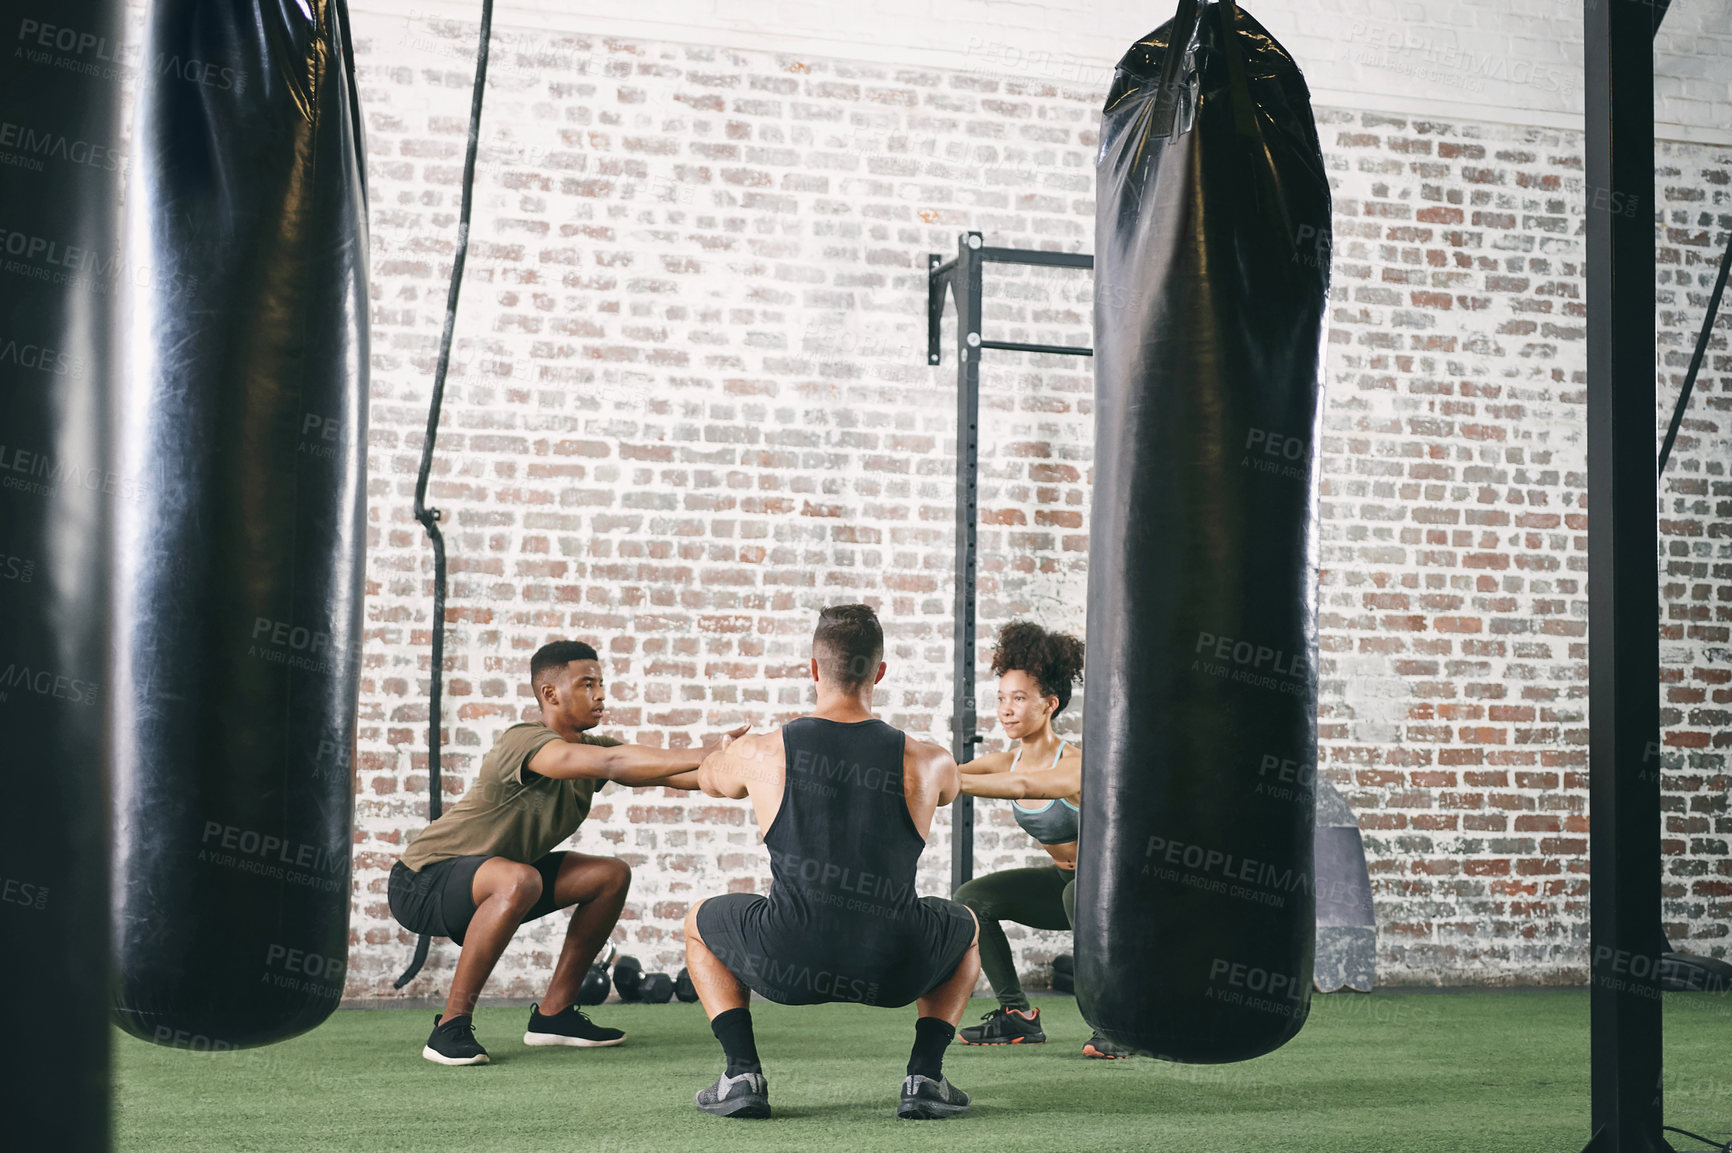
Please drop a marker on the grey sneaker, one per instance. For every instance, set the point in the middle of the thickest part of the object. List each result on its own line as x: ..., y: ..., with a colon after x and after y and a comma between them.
x: 924, y: 1099
x: 743, y: 1095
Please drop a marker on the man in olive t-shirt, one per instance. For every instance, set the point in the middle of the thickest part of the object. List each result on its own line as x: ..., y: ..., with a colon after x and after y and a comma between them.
x: 491, y: 861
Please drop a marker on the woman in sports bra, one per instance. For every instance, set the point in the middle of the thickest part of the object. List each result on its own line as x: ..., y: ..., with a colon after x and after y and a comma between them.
x: 1041, y: 776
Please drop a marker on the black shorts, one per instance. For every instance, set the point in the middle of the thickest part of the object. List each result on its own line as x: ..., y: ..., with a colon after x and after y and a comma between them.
x: 869, y: 963
x: 440, y: 899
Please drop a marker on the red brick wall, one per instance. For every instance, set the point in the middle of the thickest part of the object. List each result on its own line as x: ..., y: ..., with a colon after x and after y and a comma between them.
x: 690, y: 405
x: 1696, y: 552
x: 1454, y: 583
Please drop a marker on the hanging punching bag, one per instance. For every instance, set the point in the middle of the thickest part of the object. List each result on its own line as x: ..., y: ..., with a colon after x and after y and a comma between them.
x: 238, y: 572
x: 1195, y: 913
x: 59, y: 214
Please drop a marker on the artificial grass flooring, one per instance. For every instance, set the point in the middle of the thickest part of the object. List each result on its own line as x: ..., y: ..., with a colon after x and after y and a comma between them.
x: 1451, y: 1072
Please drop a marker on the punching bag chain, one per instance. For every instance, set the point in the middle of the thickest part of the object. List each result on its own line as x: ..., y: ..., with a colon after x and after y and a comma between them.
x: 429, y: 517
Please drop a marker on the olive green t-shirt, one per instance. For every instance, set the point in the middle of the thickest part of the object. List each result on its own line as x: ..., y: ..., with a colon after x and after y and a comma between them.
x: 505, y: 815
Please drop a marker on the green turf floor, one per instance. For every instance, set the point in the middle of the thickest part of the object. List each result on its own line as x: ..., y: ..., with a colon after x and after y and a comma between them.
x: 1387, y: 1073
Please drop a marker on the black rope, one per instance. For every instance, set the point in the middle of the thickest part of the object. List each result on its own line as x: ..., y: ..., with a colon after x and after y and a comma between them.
x: 1696, y: 360
x: 429, y: 517
x: 1713, y: 1145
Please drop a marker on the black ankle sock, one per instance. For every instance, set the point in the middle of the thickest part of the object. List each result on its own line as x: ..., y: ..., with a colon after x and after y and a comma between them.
x: 932, y: 1035
x: 734, y: 1030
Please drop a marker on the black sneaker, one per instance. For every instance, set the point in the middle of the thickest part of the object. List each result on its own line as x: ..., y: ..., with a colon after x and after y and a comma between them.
x: 924, y: 1099
x: 1005, y: 1027
x: 571, y: 1027
x: 453, y: 1042
x: 1099, y: 1046
x: 742, y: 1095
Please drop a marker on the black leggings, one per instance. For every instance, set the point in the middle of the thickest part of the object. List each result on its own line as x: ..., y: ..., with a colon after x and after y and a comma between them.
x: 1041, y: 898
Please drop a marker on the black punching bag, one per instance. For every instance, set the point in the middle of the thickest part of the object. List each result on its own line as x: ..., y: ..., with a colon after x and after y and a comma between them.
x: 1195, y: 916
x: 238, y: 572
x: 60, y: 179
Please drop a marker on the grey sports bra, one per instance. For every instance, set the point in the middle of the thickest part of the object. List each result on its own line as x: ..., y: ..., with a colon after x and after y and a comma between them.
x: 1054, y: 823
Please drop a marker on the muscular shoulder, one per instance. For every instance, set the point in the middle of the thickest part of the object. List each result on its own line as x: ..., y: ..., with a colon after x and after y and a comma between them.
x: 758, y: 749
x: 926, y: 756
x: 759, y: 742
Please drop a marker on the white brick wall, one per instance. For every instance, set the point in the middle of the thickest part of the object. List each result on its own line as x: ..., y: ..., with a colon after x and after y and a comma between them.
x: 1484, y: 60
x: 691, y: 405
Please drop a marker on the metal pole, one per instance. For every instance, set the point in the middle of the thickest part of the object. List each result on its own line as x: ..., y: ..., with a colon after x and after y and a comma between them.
x: 1623, y: 583
x: 965, y: 282
x: 962, y: 277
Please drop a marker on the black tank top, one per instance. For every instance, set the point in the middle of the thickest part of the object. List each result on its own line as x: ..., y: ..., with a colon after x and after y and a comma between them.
x: 843, y: 847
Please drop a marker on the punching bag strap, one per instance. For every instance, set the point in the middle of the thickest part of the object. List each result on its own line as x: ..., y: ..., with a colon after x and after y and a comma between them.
x: 1246, y: 124
x: 1182, y: 31
x: 429, y: 517
x: 1238, y: 89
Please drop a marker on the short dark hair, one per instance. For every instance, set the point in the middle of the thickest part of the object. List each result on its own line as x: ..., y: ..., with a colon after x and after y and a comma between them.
x: 848, y: 645
x: 551, y: 658
x: 1054, y: 660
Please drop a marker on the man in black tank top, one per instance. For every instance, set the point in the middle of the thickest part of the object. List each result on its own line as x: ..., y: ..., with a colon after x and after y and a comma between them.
x: 845, y: 803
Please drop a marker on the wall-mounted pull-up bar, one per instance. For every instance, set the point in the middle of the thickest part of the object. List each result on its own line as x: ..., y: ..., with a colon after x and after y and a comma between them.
x: 961, y: 277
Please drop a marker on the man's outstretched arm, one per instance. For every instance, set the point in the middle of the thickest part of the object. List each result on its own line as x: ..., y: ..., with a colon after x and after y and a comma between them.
x: 685, y: 779
x: 623, y: 764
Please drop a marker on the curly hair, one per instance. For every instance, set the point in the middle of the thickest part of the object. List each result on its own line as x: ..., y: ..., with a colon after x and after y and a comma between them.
x: 1054, y: 660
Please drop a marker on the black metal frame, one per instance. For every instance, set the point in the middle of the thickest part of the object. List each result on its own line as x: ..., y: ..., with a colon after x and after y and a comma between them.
x: 430, y: 517
x: 1623, y: 585
x: 961, y: 278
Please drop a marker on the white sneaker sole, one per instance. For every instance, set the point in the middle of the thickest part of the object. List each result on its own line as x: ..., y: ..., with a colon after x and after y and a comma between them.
x: 562, y: 1039
x: 439, y: 1058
